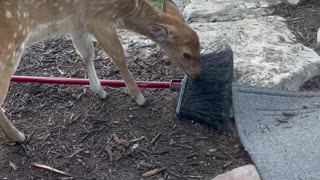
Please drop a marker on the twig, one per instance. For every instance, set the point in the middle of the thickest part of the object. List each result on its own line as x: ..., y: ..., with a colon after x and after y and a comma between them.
x: 183, y: 146
x: 74, y: 120
x: 137, y: 139
x: 174, y: 174
x: 84, y: 137
x: 155, y: 138
x: 192, y: 155
x: 110, y: 153
x: 202, y: 138
x: 111, y: 138
x: 48, y: 168
x: 77, y: 152
x: 66, y: 178
x: 227, y: 164
x: 160, y: 152
x: 194, y: 177
x: 14, y: 167
x: 144, y: 150
x: 145, y: 164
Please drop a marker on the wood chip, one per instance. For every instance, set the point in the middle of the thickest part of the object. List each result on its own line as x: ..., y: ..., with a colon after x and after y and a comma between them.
x: 145, y: 164
x: 48, y: 168
x: 153, y: 172
x: 121, y: 142
x: 184, y: 146
x: 14, y: 167
x: 227, y: 164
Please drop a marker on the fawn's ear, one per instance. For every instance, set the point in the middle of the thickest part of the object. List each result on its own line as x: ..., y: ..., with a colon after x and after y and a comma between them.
x: 169, y: 7
x: 158, y: 32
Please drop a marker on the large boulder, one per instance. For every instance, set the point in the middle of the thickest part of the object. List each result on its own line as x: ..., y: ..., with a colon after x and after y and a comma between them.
x: 265, y: 51
x: 226, y: 10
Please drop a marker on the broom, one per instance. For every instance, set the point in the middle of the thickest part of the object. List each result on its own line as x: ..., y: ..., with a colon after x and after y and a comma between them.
x: 206, y: 100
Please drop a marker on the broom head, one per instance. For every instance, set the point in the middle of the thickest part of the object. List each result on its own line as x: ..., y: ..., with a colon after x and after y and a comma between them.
x: 207, y: 100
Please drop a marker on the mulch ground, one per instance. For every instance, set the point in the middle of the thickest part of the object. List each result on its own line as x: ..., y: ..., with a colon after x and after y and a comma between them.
x: 74, y: 131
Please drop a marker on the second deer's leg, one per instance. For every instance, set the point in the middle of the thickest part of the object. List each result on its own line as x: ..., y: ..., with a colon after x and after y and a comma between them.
x: 83, y: 44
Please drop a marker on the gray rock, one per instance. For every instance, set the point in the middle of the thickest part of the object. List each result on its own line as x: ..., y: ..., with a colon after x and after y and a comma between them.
x: 297, y: 2
x: 226, y: 10
x: 265, y: 51
x: 182, y: 3
x: 247, y: 172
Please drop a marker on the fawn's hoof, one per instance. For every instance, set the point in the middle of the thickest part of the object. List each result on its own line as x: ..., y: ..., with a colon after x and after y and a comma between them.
x: 20, y: 138
x: 103, y: 94
x: 141, y: 100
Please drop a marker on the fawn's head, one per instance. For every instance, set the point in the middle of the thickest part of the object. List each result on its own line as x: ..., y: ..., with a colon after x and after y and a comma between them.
x: 177, y: 39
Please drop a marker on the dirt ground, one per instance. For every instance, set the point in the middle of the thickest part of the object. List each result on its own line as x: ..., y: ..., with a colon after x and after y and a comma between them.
x: 74, y: 131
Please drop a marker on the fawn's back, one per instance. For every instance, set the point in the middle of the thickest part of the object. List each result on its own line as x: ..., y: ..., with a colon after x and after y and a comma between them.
x: 48, y: 18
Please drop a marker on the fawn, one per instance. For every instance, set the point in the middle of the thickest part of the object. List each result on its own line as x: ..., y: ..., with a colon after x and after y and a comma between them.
x: 25, y: 22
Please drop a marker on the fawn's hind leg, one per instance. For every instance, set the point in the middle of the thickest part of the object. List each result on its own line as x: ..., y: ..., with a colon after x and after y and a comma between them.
x: 13, y: 36
x: 83, y: 44
x: 9, y: 61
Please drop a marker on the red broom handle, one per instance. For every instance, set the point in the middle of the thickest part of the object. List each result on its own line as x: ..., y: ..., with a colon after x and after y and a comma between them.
x: 110, y: 83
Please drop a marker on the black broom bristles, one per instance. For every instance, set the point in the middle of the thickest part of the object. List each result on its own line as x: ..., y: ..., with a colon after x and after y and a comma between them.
x: 207, y: 100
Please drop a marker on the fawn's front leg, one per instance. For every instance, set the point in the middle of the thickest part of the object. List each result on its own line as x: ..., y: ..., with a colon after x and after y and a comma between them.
x: 107, y: 36
x: 83, y: 44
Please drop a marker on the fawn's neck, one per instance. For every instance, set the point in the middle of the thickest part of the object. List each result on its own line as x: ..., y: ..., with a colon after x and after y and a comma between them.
x: 139, y: 18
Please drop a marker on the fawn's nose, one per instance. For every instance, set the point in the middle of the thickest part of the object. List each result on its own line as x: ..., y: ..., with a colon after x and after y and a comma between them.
x: 194, y: 74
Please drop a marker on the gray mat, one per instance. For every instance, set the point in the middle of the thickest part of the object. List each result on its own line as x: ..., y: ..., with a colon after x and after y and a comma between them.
x: 280, y: 130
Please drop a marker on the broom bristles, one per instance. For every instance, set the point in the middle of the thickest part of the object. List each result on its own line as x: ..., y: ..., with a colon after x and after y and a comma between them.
x: 208, y: 99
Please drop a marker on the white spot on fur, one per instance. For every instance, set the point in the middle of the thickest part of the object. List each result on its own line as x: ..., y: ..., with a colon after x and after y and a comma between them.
x: 2, y: 66
x: 20, y: 27
x: 38, y: 4
x: 8, y: 14
x: 25, y: 14
x: 10, y: 46
x: 55, y: 4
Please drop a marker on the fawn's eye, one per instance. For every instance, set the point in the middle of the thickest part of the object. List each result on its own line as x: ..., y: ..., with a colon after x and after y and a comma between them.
x: 187, y: 55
